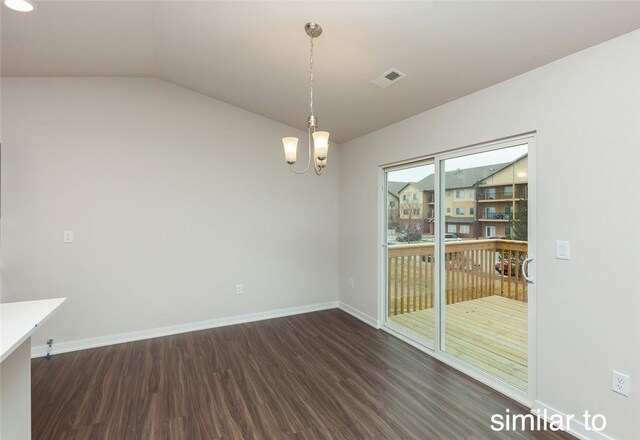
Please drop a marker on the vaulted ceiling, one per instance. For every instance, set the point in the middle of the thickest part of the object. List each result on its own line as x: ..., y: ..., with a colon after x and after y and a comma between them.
x: 255, y: 54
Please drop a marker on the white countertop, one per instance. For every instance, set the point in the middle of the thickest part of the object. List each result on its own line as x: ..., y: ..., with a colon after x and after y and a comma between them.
x: 18, y: 321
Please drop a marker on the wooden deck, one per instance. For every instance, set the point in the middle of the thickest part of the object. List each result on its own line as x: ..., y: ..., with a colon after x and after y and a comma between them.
x: 489, y: 333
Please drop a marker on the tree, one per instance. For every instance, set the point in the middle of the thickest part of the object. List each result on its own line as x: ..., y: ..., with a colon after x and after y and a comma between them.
x: 393, y: 214
x: 521, y: 222
x: 409, y: 220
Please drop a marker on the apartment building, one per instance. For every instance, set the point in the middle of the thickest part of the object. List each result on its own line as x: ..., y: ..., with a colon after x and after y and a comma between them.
x: 501, y: 201
x: 417, y: 201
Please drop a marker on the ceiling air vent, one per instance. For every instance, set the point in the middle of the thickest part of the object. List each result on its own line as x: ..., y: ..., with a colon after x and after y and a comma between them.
x: 388, y: 78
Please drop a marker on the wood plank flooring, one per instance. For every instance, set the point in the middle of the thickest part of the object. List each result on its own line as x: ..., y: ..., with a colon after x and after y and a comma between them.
x: 322, y: 375
x: 489, y: 333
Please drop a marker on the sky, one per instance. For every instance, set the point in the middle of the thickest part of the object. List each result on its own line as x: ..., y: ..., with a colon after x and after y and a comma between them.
x: 415, y: 174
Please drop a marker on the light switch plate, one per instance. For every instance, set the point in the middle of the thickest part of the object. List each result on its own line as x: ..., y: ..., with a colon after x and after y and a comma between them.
x: 563, y: 250
x: 68, y: 237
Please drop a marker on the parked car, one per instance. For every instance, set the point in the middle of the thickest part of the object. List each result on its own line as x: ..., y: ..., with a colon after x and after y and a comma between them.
x: 451, y: 237
x: 502, y: 267
x: 409, y: 237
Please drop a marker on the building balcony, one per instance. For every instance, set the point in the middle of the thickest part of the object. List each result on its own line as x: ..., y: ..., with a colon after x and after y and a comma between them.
x: 494, y: 216
x: 519, y: 194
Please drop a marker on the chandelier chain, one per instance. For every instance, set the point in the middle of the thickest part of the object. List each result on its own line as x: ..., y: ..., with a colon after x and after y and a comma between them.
x: 311, y: 77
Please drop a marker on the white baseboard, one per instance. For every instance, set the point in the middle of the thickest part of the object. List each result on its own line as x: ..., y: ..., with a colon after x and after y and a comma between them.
x: 358, y: 314
x: 101, y: 341
x: 577, y: 428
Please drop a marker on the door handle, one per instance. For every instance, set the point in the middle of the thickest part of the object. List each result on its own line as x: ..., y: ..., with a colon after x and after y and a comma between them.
x: 525, y: 270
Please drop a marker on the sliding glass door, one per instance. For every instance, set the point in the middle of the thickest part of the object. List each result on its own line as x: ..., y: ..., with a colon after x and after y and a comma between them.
x: 457, y: 259
x: 411, y: 211
x: 484, y: 292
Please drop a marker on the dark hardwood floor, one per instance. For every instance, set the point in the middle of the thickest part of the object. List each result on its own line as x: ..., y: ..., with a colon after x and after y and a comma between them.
x: 322, y: 375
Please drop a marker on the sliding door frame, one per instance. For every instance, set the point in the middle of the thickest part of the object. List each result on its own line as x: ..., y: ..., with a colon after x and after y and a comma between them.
x: 436, y: 348
x: 384, y: 306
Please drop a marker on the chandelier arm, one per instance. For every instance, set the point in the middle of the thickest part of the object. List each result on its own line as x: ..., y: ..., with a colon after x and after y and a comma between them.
x: 308, y: 161
x: 299, y: 172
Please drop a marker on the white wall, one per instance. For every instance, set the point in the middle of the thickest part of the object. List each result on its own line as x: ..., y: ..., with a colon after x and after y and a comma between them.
x: 174, y: 199
x: 586, y: 111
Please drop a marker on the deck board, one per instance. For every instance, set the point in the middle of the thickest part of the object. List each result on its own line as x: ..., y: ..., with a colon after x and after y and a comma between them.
x: 489, y: 333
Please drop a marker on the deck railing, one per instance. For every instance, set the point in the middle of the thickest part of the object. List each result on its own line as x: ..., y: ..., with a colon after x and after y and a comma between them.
x: 470, y: 272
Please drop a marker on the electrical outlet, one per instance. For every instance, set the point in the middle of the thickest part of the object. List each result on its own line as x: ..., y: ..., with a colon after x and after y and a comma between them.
x: 620, y: 383
x: 239, y: 289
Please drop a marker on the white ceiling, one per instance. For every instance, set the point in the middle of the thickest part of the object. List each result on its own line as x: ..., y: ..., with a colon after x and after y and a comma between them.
x: 255, y: 54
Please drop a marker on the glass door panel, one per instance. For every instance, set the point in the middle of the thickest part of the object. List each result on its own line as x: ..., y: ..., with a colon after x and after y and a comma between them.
x: 411, y: 266
x: 484, y: 221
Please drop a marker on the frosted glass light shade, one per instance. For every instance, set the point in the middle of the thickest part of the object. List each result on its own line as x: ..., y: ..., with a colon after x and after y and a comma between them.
x: 321, y: 144
x: 290, y: 149
x: 19, y: 5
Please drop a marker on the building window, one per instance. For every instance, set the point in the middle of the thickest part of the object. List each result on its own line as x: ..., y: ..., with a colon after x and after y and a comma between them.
x: 472, y: 194
x: 472, y: 211
x: 392, y: 204
x: 508, y: 191
x: 452, y: 229
x: 404, y: 197
x: 405, y: 211
x: 459, y: 194
x: 490, y: 212
x: 416, y: 211
x: 448, y: 210
x: 448, y: 193
x: 464, y: 229
x: 490, y: 194
x: 508, y: 211
x: 490, y: 231
x: 415, y: 196
x: 507, y: 231
x: 459, y: 211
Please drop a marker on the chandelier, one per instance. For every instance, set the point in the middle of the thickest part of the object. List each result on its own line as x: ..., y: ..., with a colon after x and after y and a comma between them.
x: 320, y: 138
